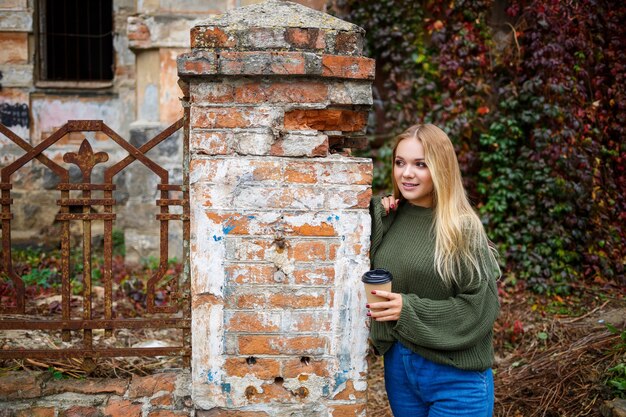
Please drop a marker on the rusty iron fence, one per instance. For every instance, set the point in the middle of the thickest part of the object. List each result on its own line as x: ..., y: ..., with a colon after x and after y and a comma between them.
x: 176, y: 314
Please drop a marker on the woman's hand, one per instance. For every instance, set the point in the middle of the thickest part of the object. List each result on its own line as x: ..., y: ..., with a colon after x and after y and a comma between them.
x: 386, y: 310
x: 390, y: 203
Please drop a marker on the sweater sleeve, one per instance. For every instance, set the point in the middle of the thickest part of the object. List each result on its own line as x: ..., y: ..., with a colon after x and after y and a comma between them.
x: 451, y: 324
x: 380, y: 223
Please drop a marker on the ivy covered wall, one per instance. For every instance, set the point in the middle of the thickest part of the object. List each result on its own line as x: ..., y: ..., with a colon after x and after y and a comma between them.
x: 533, y: 93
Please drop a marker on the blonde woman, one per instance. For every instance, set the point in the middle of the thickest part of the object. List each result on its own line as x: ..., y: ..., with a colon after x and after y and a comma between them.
x: 435, y: 330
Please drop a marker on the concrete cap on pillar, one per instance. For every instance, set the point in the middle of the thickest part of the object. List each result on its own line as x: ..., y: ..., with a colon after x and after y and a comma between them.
x: 279, y: 25
x: 276, y: 38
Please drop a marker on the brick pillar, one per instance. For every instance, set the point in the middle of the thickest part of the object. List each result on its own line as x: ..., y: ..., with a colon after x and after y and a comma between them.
x: 279, y: 220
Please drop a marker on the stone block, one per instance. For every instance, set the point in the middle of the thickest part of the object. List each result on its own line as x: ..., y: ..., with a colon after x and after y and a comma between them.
x: 252, y: 321
x: 314, y: 275
x: 162, y: 400
x: 14, y: 48
x: 169, y: 413
x: 348, y: 410
x: 310, y: 321
x: 281, y: 92
x: 16, y: 21
x: 262, y: 38
x: 282, y: 345
x: 348, y: 67
x: 261, y: 368
x: 222, y: 91
x: 305, y: 365
x: 211, y: 37
x: 17, y: 75
x: 349, y: 43
x: 81, y: 411
x: 224, y: 412
x: 13, y: 4
x: 235, y: 117
x: 253, y: 143
x: 210, y: 142
x: 36, y: 412
x: 138, y: 32
x: 325, y: 120
x: 261, y: 63
x: 249, y: 274
x: 20, y: 385
x: 119, y: 407
x: 301, y: 145
x: 306, y: 38
x: 350, y: 93
x: 149, y: 385
x: 341, y: 172
x: 90, y: 386
x: 614, y: 408
x: 347, y: 198
x: 349, y: 391
x: 299, y: 299
x: 197, y: 63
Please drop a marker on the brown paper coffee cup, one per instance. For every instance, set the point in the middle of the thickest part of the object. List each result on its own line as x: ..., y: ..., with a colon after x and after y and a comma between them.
x: 376, y: 280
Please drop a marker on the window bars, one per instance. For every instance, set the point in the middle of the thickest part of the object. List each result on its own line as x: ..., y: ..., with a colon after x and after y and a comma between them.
x: 76, y: 40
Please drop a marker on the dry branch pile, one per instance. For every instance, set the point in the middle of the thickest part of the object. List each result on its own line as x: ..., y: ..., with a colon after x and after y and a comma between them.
x: 565, y: 379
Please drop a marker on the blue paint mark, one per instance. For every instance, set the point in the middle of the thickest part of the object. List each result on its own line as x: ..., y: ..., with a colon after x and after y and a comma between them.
x: 340, y: 378
x: 344, y: 366
x: 332, y: 218
x: 231, y: 223
x: 325, y: 390
x: 225, y: 387
x: 210, y: 377
x: 217, y: 238
x: 250, y: 217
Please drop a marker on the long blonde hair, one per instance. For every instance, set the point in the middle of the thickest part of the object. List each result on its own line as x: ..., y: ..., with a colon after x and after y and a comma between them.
x: 461, y: 243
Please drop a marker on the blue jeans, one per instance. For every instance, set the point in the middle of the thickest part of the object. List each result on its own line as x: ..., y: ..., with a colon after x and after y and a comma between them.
x: 417, y: 387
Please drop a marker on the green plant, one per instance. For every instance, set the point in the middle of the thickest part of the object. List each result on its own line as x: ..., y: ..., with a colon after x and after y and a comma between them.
x: 151, y: 263
x: 616, y: 375
x: 56, y: 374
x: 44, y: 277
x: 534, y: 104
x: 621, y: 345
x: 119, y: 242
x: 617, y: 379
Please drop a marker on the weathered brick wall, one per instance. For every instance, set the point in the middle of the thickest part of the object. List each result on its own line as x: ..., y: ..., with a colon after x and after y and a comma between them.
x: 280, y: 227
x: 37, y: 394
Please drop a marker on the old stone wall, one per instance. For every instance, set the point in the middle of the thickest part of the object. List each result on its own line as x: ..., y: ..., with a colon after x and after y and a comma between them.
x: 39, y: 394
x: 279, y: 217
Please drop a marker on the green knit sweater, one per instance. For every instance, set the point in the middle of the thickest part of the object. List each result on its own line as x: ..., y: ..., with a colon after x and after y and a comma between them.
x: 447, y: 325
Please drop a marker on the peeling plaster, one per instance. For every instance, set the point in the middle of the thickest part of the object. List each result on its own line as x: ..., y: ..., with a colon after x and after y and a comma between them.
x: 206, y: 260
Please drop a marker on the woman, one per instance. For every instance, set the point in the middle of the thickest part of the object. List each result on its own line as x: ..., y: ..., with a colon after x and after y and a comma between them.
x: 435, y: 330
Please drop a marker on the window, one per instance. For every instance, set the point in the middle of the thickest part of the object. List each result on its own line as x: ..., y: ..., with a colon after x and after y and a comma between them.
x: 76, y: 40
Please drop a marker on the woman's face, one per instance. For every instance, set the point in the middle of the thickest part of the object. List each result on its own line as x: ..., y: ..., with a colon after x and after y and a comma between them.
x: 411, y: 173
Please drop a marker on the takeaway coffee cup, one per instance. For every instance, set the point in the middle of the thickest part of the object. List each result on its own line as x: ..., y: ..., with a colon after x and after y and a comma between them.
x: 376, y: 280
